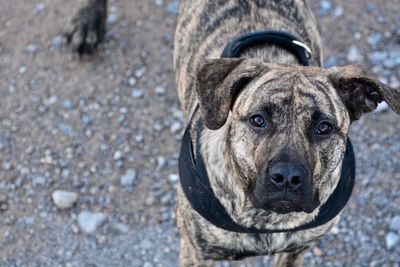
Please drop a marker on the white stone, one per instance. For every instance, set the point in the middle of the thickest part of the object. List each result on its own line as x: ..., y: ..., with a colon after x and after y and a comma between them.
x: 89, y: 222
x: 128, y: 178
x: 391, y: 240
x: 64, y: 199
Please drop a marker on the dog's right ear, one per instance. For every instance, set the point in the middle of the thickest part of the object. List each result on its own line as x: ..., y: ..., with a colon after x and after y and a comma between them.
x: 218, y: 83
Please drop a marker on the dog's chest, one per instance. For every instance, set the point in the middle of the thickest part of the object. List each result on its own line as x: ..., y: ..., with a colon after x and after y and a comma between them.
x: 218, y: 244
x: 237, y: 246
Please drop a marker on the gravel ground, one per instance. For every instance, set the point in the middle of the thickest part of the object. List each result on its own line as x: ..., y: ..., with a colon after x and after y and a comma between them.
x: 99, y: 138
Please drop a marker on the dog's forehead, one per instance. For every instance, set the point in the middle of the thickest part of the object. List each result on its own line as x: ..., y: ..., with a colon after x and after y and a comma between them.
x: 290, y: 86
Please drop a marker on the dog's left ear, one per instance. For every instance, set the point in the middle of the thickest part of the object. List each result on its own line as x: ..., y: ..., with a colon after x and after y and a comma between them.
x: 362, y: 92
x: 218, y: 83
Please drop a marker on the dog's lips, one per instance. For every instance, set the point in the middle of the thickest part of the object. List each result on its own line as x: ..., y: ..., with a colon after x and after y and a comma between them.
x: 282, y: 207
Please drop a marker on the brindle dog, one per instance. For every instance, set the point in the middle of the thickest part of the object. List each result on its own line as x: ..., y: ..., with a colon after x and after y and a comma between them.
x: 282, y: 130
x: 275, y: 132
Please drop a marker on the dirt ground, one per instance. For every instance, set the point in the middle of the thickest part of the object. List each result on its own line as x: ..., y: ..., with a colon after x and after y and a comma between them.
x: 108, y: 128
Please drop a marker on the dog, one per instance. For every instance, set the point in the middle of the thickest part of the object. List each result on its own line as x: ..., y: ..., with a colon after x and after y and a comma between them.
x: 270, y: 132
x: 266, y: 165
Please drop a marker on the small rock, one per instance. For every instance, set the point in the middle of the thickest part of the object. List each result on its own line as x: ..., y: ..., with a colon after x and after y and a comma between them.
x: 173, y: 177
x: 132, y: 81
x: 374, y: 39
x: 391, y: 240
x: 338, y: 11
x: 377, y: 57
x: 175, y: 127
x: 147, y: 264
x: 40, y: 7
x: 173, y: 8
x: 66, y: 129
x: 128, y: 179
x: 335, y: 230
x: 22, y: 69
x: 112, y: 18
x: 150, y: 200
x: 58, y: 41
x: 160, y: 90
x: 119, y: 228
x: 354, y: 55
x: 325, y: 7
x: 64, y: 199
x: 39, y: 180
x: 140, y: 72
x: 67, y: 104
x: 137, y: 93
x: 395, y: 223
x: 31, y: 48
x: 117, y: 155
x: 89, y: 221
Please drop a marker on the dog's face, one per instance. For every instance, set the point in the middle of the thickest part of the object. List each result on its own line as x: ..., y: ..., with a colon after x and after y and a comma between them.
x: 287, y: 128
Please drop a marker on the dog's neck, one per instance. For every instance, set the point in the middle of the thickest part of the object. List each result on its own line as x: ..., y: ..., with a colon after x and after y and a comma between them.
x: 270, y: 53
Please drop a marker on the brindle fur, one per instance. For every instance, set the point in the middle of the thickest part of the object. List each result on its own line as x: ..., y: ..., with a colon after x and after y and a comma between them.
x: 294, y: 99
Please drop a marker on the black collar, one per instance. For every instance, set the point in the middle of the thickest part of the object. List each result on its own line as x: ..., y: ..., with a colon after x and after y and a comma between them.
x: 282, y: 39
x: 193, y: 174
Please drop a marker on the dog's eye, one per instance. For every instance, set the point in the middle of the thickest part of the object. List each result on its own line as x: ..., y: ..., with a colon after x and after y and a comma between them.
x: 257, y: 121
x: 324, y: 128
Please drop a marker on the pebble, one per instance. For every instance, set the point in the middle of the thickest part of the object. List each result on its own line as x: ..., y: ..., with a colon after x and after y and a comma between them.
x: 64, y: 199
x: 325, y: 7
x: 159, y: 2
x: 173, y: 177
x: 173, y: 8
x: 140, y: 72
x: 40, y: 7
x: 137, y: 93
x: 160, y: 90
x: 338, y: 11
x: 132, y: 81
x: 119, y: 228
x: 66, y: 129
x: 395, y: 223
x: 391, y: 240
x: 354, y: 55
x: 89, y: 222
x: 32, y: 48
x: 377, y: 57
x: 117, y: 155
x: 22, y: 69
x: 176, y: 126
x: 112, y: 18
x: 128, y: 179
x: 58, y: 41
x: 38, y: 180
x: 374, y: 39
x: 67, y: 104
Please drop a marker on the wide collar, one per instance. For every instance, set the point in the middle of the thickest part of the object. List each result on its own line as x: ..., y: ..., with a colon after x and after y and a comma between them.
x: 193, y: 173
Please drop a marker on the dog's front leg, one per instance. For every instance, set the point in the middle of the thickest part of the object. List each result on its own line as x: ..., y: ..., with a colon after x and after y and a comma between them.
x: 188, y: 256
x: 88, y: 26
x: 289, y: 259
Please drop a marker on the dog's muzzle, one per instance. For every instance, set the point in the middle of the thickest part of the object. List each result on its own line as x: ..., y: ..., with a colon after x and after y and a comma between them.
x: 286, y: 187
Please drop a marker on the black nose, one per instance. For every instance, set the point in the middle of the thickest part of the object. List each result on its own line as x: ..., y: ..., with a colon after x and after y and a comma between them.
x: 287, y: 175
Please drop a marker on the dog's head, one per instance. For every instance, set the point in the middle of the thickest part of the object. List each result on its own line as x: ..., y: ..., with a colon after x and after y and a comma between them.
x: 286, y: 125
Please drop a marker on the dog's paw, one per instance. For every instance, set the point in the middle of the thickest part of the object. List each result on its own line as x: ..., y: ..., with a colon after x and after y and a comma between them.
x: 87, y: 28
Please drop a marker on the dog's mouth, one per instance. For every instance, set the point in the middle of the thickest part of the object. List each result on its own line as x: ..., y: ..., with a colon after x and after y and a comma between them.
x: 286, y: 203
x: 282, y: 207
